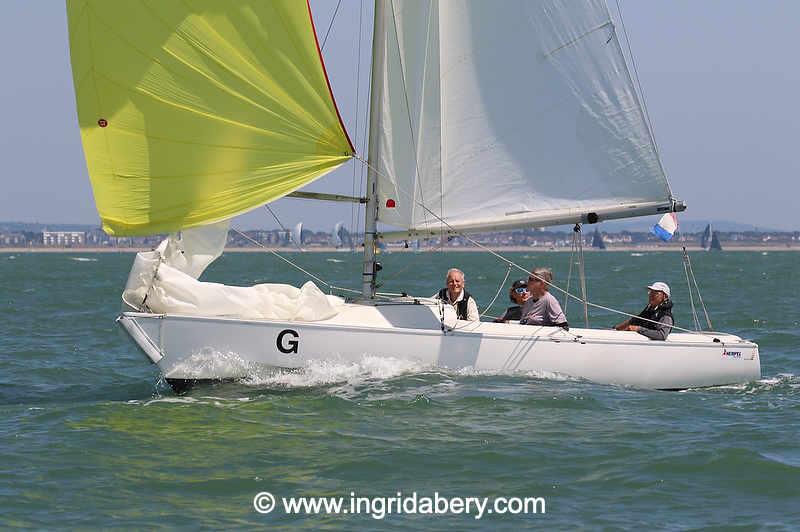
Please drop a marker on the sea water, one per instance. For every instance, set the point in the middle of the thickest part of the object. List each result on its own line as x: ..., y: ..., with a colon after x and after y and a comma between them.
x: 90, y: 437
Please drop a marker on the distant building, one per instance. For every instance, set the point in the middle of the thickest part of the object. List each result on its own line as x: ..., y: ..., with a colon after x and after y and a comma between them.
x: 63, y: 238
x: 13, y: 239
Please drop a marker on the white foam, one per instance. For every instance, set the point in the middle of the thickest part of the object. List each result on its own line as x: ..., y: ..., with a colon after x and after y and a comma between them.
x: 334, y: 260
x: 179, y: 400
x: 321, y: 373
x: 83, y: 259
x: 346, y: 374
x: 532, y: 374
x: 761, y: 385
x: 210, y: 364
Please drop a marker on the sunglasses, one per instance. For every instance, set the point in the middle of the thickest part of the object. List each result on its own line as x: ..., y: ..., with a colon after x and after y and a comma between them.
x: 520, y: 290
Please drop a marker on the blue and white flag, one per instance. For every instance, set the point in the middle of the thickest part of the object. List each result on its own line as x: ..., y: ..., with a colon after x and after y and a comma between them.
x: 666, y: 226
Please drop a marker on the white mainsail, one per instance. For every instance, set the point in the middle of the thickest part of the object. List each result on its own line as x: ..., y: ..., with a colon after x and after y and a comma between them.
x: 506, y: 114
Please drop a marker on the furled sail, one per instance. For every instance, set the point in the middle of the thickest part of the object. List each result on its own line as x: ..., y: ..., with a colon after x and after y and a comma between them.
x: 193, y: 111
x: 505, y: 114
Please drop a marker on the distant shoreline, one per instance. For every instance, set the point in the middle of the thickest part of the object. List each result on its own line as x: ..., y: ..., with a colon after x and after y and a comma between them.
x: 514, y: 249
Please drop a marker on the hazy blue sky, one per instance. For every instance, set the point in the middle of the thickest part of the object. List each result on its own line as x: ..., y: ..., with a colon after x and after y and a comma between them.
x: 721, y: 81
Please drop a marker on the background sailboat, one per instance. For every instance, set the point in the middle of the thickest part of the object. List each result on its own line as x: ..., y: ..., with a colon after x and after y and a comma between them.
x: 297, y: 235
x: 709, y: 240
x: 341, y: 239
x: 481, y: 118
x: 597, y: 240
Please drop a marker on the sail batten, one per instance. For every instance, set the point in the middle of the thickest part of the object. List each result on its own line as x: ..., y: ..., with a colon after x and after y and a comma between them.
x: 194, y: 112
x: 517, y: 107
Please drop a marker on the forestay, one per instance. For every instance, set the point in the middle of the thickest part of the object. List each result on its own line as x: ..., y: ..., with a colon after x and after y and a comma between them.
x: 497, y: 115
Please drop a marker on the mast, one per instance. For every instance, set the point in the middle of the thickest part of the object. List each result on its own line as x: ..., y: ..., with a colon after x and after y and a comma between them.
x: 376, y: 93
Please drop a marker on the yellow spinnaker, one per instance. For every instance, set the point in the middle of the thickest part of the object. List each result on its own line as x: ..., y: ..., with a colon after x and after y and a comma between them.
x: 193, y: 111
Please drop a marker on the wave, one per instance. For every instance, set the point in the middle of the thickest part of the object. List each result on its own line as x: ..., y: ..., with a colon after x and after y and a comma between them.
x: 327, y: 373
x: 322, y: 373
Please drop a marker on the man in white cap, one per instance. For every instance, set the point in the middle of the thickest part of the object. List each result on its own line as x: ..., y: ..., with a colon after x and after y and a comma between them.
x: 655, y: 321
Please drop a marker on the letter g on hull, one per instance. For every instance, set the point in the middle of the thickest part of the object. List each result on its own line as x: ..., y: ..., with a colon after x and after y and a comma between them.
x: 288, y: 345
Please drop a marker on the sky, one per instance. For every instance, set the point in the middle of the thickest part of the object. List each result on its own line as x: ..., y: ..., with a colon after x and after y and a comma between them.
x: 720, y: 79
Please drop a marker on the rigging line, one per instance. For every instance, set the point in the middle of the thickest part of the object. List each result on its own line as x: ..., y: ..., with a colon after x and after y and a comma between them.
x: 408, y: 108
x: 691, y: 296
x: 339, y: 3
x: 499, y: 289
x: 387, y: 278
x: 363, y: 174
x: 354, y: 208
x: 699, y: 296
x: 582, y: 271
x: 569, y: 275
x: 515, y: 265
x: 292, y: 264
x: 578, y: 38
x: 288, y: 233
x: 441, y: 147
x: 364, y: 140
x: 646, y: 113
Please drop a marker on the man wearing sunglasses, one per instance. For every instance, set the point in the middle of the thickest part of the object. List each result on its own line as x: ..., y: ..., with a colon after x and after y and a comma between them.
x: 519, y: 295
x: 542, y: 308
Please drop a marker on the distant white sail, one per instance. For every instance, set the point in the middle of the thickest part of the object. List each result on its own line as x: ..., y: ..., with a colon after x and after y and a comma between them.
x: 297, y: 234
x: 336, y: 240
x: 508, y: 114
x: 340, y: 236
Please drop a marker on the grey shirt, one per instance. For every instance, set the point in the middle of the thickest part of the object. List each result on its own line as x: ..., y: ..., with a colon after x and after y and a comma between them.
x: 659, y: 331
x: 543, y: 311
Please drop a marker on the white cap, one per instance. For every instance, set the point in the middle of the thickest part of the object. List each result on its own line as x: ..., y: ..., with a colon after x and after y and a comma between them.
x: 661, y: 287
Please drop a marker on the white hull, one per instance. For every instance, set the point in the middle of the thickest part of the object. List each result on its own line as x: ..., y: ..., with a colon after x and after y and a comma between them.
x: 188, y: 348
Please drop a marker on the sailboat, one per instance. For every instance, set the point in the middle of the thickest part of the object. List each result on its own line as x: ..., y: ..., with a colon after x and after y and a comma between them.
x: 709, y: 240
x: 341, y: 239
x: 297, y: 235
x: 482, y: 117
x: 597, y: 240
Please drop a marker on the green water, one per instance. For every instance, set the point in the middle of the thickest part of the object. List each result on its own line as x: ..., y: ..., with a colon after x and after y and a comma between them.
x: 90, y: 438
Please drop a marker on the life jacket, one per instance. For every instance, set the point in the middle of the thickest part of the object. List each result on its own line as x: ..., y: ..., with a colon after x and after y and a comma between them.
x: 461, y: 306
x: 513, y: 313
x: 655, y: 314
